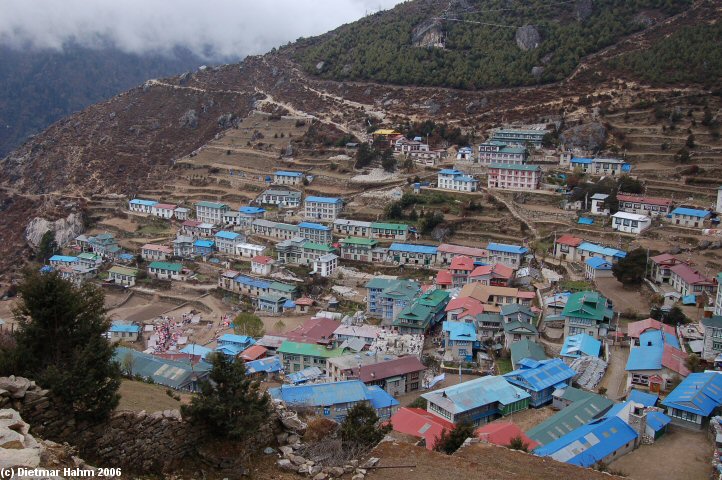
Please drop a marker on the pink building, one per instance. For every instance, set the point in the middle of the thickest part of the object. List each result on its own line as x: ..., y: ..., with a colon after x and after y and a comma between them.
x: 514, y: 177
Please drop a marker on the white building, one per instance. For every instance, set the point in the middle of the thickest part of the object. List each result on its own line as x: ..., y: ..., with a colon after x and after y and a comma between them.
x: 599, y: 204
x: 262, y: 265
x: 283, y: 177
x: 630, y: 222
x: 451, y: 179
x: 163, y: 210
x: 226, y: 242
x: 322, y: 208
x: 719, y: 200
x: 352, y: 228
x: 140, y: 205
x: 211, y: 212
x: 643, y: 205
x: 499, y: 152
x: 598, y: 166
x: 249, y: 250
x: 325, y: 265
x: 514, y: 177
x: 181, y: 213
x: 153, y: 253
x: 280, y: 198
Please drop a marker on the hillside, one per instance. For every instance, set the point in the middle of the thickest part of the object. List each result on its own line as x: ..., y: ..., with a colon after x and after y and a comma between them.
x: 131, y: 143
x: 39, y: 87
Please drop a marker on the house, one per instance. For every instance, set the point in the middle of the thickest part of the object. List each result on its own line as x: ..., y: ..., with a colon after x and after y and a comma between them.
x: 519, y: 136
x: 643, y: 205
x: 446, y: 252
x: 396, y: 376
x: 643, y: 398
x: 203, y: 248
x: 712, y: 327
x: 249, y: 250
x: 226, y: 242
x: 694, y: 400
x: 385, y: 136
x: 656, y: 361
x: 300, y: 251
x: 636, y: 329
x: 211, y: 212
x: 599, y: 166
x: 510, y: 255
x: 63, y: 260
x: 500, y: 152
x: 178, y: 375
x: 598, y: 442
x: 304, y: 304
x: 689, y: 217
x: 503, y: 433
x: 123, y: 332
x: 688, y: 281
x: 151, y: 252
x: 578, y: 408
x: 296, y: 356
x: 122, y: 275
x: 76, y: 274
x: 280, y: 198
x: 580, y: 345
x: 451, y: 179
x: 588, y: 250
x: 163, y: 210
x: 599, y: 204
x: 630, y: 222
x: 526, y: 349
x: 412, y: 254
x: 458, y: 273
x: 267, y: 367
x: 232, y: 345
x: 190, y: 228
x: 90, y: 260
x: 196, y: 352
x: 477, y: 401
x: 459, y: 339
x: 315, y: 330
x: 514, y: 177
x: 463, y: 309
x: 587, y: 312
x: 315, y: 232
x: 248, y: 214
x: 661, y: 265
x: 347, y: 367
x: 389, y: 231
x: 325, y: 265
x: 141, y: 206
x: 420, y: 424
x: 540, y: 379
x: 166, y: 271
x: 364, y: 333
x: 334, y: 400
x: 565, y: 247
x: 273, y: 303
x: 518, y: 324
x: 352, y: 228
x: 267, y: 228
x: 386, y: 297
x: 261, y: 265
x: 597, y: 267
x: 465, y: 154
x: 104, y: 244
x: 357, y: 248
x: 253, y: 353
x: 498, y: 275
x: 283, y: 177
x: 181, y: 213
x: 425, y: 312
x: 495, y: 297
x: 322, y: 208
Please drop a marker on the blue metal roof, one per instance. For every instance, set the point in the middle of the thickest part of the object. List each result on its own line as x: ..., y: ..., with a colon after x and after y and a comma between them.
x: 502, y: 247
x: 590, y: 443
x: 477, y: 393
x: 267, y: 365
x: 645, y: 358
x: 598, y: 263
x: 689, y: 300
x: 140, y: 201
x: 63, y: 258
x: 576, y: 345
x: 582, y: 161
x: 314, y: 226
x: 230, y: 350
x: 236, y: 339
x: 227, y: 235
x: 646, y: 399
x: 252, y: 282
x: 252, y: 210
x: 193, y: 349
x: 305, y: 375
x: 204, y: 243
x: 411, y: 248
x: 657, y: 420
x: 460, y: 331
x: 585, y: 221
x: 450, y: 171
x: 693, y: 212
x: 323, y: 394
x: 323, y: 199
x: 379, y: 398
x: 607, y: 251
x: 285, y: 173
x: 289, y: 304
x: 124, y: 328
x: 545, y: 375
x: 699, y: 393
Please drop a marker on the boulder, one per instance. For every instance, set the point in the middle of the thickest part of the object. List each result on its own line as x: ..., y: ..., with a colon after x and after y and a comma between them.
x: 286, y: 464
x: 537, y: 71
x: 269, y: 451
x: 189, y: 119
x: 26, y: 457
x: 336, y: 472
x: 293, y: 439
x: 282, y: 438
x: 285, y: 450
x: 371, y: 462
x: 588, y: 136
x: 315, y: 470
x: 291, y: 421
x: 304, y: 469
x: 320, y: 476
x: 358, y: 476
x: 527, y: 37
x: 297, y: 459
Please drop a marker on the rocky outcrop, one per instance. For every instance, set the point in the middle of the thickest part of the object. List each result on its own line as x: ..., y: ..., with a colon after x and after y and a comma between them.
x: 583, y: 9
x: 588, y: 136
x: 65, y: 229
x: 428, y: 34
x: 527, y: 37
x: 189, y: 119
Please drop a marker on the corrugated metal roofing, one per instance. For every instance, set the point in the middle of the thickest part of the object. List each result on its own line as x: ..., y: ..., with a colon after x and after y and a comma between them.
x: 526, y: 349
x: 140, y: 201
x: 598, y: 263
x: 547, y: 374
x: 251, y: 210
x: 208, y: 204
x: 601, y: 250
x: 692, y: 212
x: 412, y: 248
x: 570, y: 418
x: 581, y: 344
x: 460, y: 331
x: 476, y: 393
x: 323, y: 199
x: 657, y: 420
x: 227, y: 235
x: 314, y: 226
x: 699, y: 393
x: 645, y: 398
x: 252, y: 282
x: 124, y: 328
x: 63, y: 259
x: 193, y: 349
x: 267, y: 365
x: 420, y: 423
x: 502, y: 247
x: 236, y: 339
x: 285, y: 173
x: 327, y: 394
x: 171, y: 373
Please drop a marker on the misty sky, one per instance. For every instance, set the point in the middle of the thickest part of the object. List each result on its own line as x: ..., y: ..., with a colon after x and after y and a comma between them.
x: 232, y: 28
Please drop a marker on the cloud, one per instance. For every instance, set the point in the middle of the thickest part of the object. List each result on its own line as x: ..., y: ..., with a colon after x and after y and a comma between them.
x: 210, y: 28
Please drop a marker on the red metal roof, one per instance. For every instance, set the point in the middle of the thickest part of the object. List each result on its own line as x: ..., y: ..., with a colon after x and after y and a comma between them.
x: 389, y: 368
x: 674, y: 359
x: 689, y: 275
x: 635, y: 329
x: 420, y: 424
x: 501, y: 433
x: 253, y: 352
x: 570, y: 240
x: 642, y: 199
x: 467, y: 305
x: 191, y: 223
x: 498, y: 270
x: 262, y: 259
x: 314, y: 330
x: 462, y: 262
x: 665, y: 259
x: 462, y: 250
x: 304, y: 301
x: 443, y: 277
x: 165, y: 206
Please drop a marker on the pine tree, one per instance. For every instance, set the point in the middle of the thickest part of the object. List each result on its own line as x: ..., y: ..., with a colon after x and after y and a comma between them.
x: 449, y: 442
x: 47, y: 246
x: 360, y: 427
x: 60, y: 343
x: 518, y: 443
x: 230, y: 404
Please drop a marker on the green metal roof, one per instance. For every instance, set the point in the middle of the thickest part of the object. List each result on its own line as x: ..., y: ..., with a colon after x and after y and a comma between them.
x: 434, y: 298
x: 390, y: 226
x: 526, y: 348
x: 589, y: 305
x: 510, y: 166
x: 282, y: 287
x: 318, y: 246
x: 570, y: 418
x: 89, y: 256
x: 123, y: 270
x: 379, y: 283
x: 173, y: 267
x: 369, y: 242
x: 422, y: 314
x: 309, y: 349
x: 204, y: 203
x: 407, y: 289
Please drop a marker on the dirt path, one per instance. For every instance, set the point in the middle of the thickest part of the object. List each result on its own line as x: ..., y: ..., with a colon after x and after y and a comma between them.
x: 615, y: 378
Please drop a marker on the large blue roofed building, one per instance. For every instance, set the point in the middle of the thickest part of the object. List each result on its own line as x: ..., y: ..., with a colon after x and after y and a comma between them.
x: 695, y: 399
x: 540, y: 379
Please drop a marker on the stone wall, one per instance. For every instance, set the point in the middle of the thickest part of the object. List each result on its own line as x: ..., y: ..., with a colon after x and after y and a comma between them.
x: 134, y: 441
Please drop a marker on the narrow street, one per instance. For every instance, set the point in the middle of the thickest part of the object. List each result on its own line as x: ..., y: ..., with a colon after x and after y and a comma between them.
x: 615, y: 378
